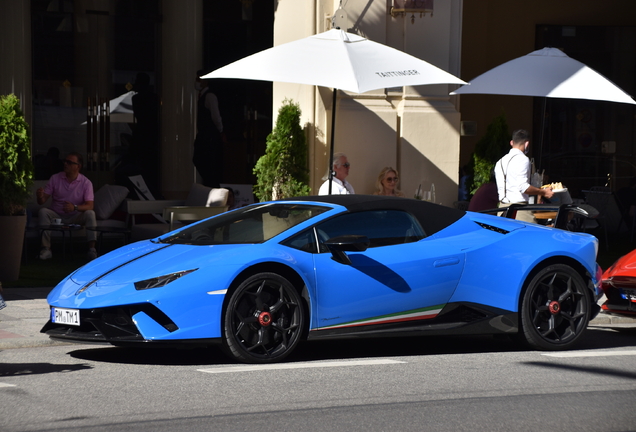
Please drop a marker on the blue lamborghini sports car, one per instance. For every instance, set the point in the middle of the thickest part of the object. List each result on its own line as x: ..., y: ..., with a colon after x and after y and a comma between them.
x: 259, y: 279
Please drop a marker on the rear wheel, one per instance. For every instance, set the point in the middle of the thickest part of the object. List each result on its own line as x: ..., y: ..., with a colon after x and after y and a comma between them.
x: 555, y: 309
x: 264, y: 319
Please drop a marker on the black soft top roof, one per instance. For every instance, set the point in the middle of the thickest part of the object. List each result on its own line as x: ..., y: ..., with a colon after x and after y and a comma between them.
x: 432, y: 217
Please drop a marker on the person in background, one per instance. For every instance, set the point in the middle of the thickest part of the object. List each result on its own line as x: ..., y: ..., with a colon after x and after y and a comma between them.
x: 462, y: 190
x: 72, y: 201
x: 339, y: 186
x: 387, y: 182
x: 512, y: 173
x: 486, y: 196
x: 145, y: 145
x: 208, y: 144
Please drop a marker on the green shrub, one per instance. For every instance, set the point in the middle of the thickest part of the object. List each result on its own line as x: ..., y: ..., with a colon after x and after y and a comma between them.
x: 489, y: 149
x: 282, y: 171
x: 16, y: 168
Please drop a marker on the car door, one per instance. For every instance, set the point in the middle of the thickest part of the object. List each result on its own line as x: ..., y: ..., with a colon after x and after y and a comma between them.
x: 402, y: 276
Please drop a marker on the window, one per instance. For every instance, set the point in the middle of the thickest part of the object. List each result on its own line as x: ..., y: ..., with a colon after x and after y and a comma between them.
x: 253, y: 224
x: 382, y: 227
x: 304, y: 241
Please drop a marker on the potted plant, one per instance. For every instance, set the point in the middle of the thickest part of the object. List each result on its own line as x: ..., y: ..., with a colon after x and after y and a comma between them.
x: 489, y: 149
x: 282, y: 171
x: 16, y: 178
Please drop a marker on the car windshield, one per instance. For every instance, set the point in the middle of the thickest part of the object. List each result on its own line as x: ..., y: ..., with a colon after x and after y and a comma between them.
x: 253, y: 224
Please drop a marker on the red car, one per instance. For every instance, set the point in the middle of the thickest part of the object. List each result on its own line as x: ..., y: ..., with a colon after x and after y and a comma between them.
x: 619, y: 285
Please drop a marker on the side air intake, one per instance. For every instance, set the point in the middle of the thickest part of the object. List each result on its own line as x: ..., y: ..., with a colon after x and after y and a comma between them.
x: 492, y: 228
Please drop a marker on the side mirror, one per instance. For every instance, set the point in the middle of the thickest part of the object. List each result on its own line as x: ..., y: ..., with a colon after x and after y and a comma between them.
x: 346, y: 243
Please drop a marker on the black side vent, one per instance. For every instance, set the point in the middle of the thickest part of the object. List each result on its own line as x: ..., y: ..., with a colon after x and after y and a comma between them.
x: 462, y: 313
x: 492, y: 228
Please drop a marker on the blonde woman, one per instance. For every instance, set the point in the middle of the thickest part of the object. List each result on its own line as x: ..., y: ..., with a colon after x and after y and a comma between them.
x: 387, y: 183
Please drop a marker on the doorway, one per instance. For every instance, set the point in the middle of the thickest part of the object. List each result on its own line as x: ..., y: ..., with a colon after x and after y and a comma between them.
x: 233, y: 30
x: 84, y: 55
x: 589, y: 143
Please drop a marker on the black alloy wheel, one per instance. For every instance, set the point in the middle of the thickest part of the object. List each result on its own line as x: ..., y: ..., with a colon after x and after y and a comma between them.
x: 264, y: 319
x: 555, y: 308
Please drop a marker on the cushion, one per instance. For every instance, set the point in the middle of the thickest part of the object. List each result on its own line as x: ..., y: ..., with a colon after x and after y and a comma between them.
x: 203, y: 196
x: 107, y: 199
x: 217, y: 197
x: 198, y: 195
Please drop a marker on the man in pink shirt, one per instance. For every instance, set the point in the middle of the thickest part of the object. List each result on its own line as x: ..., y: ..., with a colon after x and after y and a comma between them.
x: 72, y: 201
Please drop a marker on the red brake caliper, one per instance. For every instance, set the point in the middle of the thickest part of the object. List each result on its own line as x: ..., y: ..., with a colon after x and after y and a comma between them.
x: 265, y: 319
x: 554, y: 307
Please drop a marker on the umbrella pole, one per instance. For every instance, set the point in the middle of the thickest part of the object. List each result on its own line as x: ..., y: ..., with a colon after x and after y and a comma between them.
x: 333, y: 134
x: 542, y: 132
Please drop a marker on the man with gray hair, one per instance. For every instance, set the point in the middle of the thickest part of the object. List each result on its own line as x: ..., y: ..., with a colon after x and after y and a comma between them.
x: 339, y: 185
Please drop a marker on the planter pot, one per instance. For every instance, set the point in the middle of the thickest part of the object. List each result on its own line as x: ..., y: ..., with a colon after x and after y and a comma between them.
x: 12, y: 235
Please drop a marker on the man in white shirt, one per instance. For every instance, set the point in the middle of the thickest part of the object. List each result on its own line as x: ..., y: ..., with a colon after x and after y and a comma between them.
x: 339, y: 185
x: 512, y: 173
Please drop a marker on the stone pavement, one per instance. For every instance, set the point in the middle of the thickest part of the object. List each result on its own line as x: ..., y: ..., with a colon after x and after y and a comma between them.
x: 27, y: 311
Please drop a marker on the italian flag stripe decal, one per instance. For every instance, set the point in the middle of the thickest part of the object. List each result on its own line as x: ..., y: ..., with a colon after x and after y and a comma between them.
x: 412, y: 315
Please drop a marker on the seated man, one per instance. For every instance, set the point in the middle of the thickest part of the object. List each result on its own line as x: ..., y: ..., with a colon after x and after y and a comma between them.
x: 339, y: 186
x: 72, y: 201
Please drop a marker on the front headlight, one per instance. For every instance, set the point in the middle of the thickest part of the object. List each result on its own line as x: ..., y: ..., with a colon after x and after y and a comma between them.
x: 161, y: 281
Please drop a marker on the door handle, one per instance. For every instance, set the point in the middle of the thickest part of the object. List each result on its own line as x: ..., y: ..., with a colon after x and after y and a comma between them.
x: 446, y: 262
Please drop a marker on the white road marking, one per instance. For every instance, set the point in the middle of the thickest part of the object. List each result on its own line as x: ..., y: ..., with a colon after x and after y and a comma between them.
x: 304, y: 365
x: 6, y: 385
x: 592, y: 353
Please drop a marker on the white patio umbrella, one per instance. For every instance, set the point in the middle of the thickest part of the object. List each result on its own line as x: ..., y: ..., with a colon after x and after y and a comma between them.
x: 120, y: 109
x: 339, y: 60
x: 547, y: 72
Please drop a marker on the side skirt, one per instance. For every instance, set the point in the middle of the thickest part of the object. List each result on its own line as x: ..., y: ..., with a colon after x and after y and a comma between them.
x: 456, y: 318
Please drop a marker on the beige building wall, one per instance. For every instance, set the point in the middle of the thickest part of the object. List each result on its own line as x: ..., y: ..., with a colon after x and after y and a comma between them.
x: 295, y: 20
x: 413, y: 129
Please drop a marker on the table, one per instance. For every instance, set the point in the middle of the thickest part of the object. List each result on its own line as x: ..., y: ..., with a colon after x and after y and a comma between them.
x: 545, y: 215
x: 63, y: 229
x: 125, y: 232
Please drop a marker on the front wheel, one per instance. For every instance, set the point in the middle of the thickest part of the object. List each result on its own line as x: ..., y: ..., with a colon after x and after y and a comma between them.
x: 264, y: 319
x: 555, y: 309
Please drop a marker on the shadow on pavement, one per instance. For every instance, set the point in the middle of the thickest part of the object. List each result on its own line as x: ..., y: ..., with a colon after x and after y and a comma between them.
x: 616, y: 373
x: 16, y: 369
x: 153, y: 356
x: 594, y: 338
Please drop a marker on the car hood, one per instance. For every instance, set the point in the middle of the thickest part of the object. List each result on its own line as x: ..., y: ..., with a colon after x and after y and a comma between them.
x: 148, y: 260
x: 120, y: 269
x: 624, y: 266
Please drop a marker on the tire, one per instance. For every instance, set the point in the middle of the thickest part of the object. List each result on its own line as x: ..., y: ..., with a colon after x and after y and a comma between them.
x: 263, y: 320
x: 555, y: 309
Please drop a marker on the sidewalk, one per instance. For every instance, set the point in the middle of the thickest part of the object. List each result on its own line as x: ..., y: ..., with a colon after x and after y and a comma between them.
x: 27, y: 312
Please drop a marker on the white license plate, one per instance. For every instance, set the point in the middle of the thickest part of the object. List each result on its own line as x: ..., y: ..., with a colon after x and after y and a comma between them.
x: 65, y: 316
x: 629, y: 294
